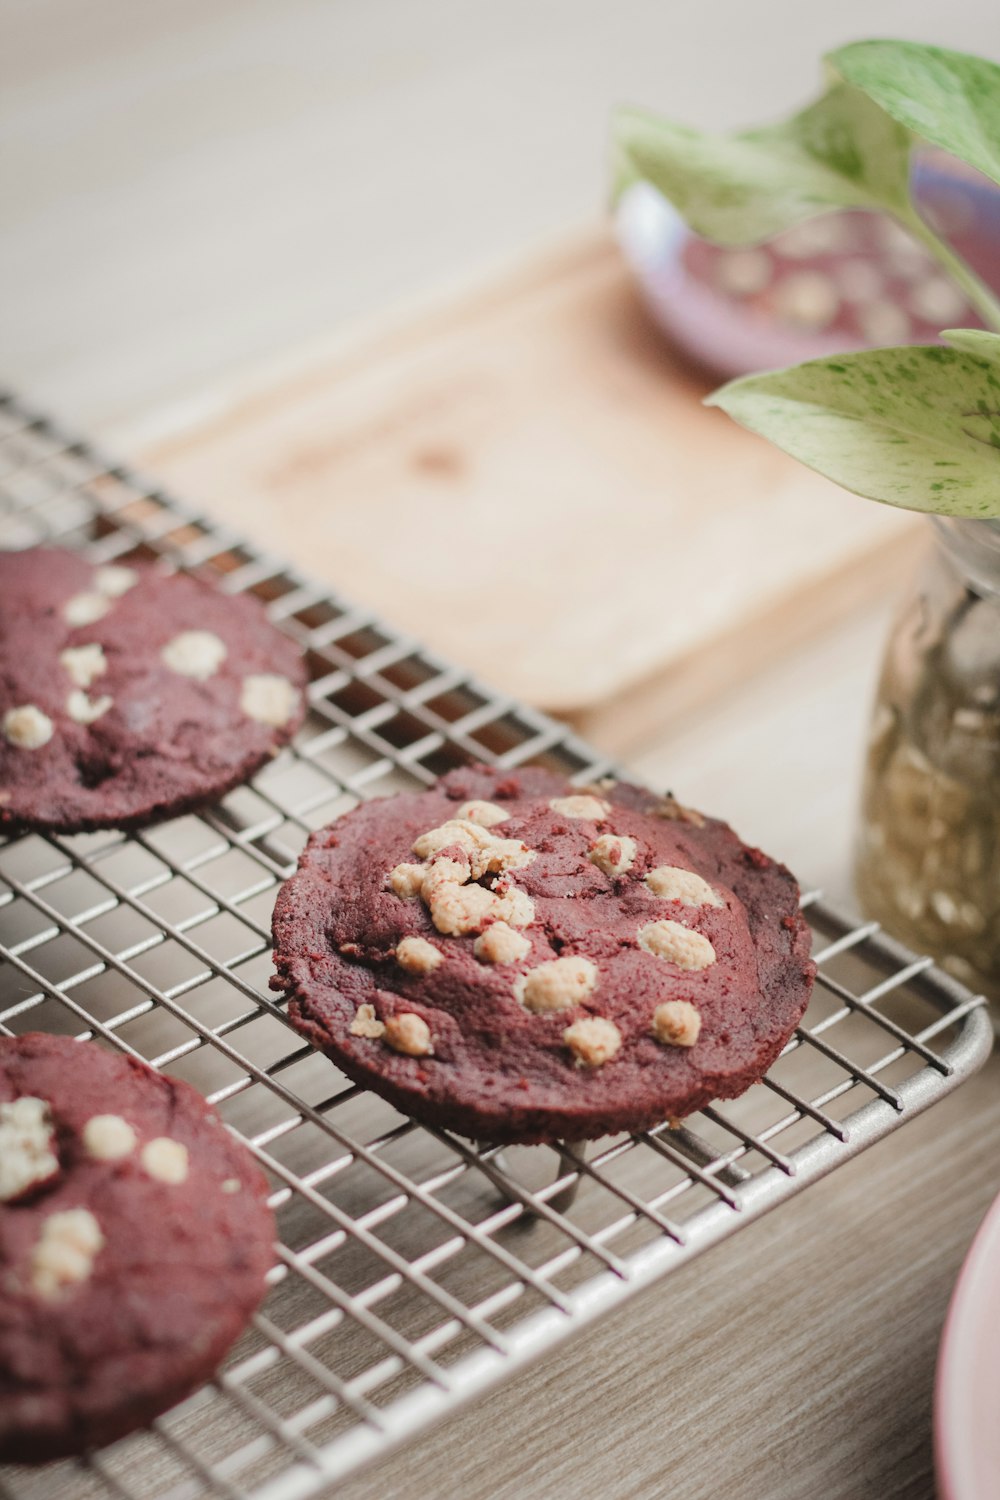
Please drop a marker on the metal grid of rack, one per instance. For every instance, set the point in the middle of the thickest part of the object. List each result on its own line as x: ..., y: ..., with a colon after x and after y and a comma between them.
x: 414, y: 1269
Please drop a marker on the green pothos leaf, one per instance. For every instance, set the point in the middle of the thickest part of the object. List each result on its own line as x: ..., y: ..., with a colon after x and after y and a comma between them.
x: 844, y: 151
x: 917, y: 427
x: 948, y: 98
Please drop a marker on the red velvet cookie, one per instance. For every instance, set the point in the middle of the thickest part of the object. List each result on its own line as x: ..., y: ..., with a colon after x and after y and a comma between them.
x: 516, y: 960
x: 134, y: 1241
x: 128, y: 695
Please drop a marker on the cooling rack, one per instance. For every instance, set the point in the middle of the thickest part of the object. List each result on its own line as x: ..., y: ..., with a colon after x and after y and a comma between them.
x: 414, y: 1269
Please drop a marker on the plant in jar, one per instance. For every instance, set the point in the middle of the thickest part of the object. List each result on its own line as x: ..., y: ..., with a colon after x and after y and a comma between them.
x: 916, y: 427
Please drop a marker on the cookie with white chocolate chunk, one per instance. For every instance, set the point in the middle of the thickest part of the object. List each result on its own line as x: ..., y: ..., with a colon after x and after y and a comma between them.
x: 518, y: 959
x: 135, y: 1238
x: 128, y: 695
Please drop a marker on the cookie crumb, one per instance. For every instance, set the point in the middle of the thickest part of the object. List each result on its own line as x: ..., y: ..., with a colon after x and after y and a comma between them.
x: 194, y: 653
x: 26, y: 1139
x: 409, y: 1034
x: 558, y: 984
x: 82, y: 664
x: 366, y: 1023
x: 593, y: 1041
x: 65, y: 1253
x: 84, y: 609
x: 27, y: 728
x: 113, y: 580
x: 594, y: 808
x: 613, y: 854
x: 486, y: 814
x: 84, y: 710
x: 269, y: 699
x: 676, y: 1023
x: 677, y: 944
x: 108, y: 1138
x: 166, y: 1160
x: 417, y: 956
x: 500, y: 944
x: 671, y: 883
x: 406, y: 880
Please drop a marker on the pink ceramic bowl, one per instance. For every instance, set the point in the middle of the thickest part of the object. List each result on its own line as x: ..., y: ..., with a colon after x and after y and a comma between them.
x: 836, y: 283
x: 967, y: 1389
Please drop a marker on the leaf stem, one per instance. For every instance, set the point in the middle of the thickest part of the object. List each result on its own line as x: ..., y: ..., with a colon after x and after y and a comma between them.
x: 982, y: 299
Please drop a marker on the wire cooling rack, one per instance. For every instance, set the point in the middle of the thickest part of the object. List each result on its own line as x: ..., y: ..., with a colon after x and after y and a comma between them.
x: 414, y: 1270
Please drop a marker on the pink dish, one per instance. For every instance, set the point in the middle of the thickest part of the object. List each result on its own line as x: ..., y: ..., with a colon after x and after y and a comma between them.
x: 840, y: 282
x: 967, y: 1388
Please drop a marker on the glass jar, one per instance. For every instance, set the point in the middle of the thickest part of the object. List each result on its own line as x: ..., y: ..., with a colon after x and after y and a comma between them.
x: 928, y: 860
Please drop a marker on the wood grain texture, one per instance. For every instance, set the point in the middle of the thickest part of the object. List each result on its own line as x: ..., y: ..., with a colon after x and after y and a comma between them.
x: 795, y: 1360
x: 526, y: 480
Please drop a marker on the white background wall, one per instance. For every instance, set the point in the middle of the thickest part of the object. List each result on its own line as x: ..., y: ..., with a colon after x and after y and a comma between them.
x: 193, y: 186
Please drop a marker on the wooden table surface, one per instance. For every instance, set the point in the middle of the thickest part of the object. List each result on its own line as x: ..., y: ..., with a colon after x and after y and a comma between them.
x: 795, y: 1360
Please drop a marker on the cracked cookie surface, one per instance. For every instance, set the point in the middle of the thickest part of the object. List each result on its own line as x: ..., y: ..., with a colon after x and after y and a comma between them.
x: 128, y: 695
x: 605, y: 905
x: 134, y: 1242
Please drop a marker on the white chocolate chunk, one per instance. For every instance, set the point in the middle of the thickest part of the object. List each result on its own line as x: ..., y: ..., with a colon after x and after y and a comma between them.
x: 406, y: 880
x: 488, y: 854
x: 84, y: 609
x: 592, y: 1041
x: 232, y: 1185
x: 937, y: 300
x: 108, y: 1138
x: 456, y: 909
x: 743, y: 272
x: 409, y: 1034
x: 65, y: 1252
x: 671, y: 883
x: 269, y: 699
x: 82, y: 664
x: 84, y: 710
x: 500, y: 944
x: 677, y: 944
x: 808, y: 299
x: 417, y: 956
x: 884, y: 323
x: 612, y: 854
x: 26, y: 1139
x: 676, y: 1023
x: 166, y: 1160
x: 366, y: 1023
x: 516, y: 907
x: 558, y: 984
x: 27, y: 727
x: 441, y: 871
x: 194, y: 653
x: 113, y: 580
x: 486, y: 814
x: 583, y: 806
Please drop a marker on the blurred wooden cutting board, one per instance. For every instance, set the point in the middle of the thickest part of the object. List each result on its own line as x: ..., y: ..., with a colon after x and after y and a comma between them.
x: 524, y: 478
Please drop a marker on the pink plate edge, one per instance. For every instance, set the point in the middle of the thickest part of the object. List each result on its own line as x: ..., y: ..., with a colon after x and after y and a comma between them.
x: 967, y: 1383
